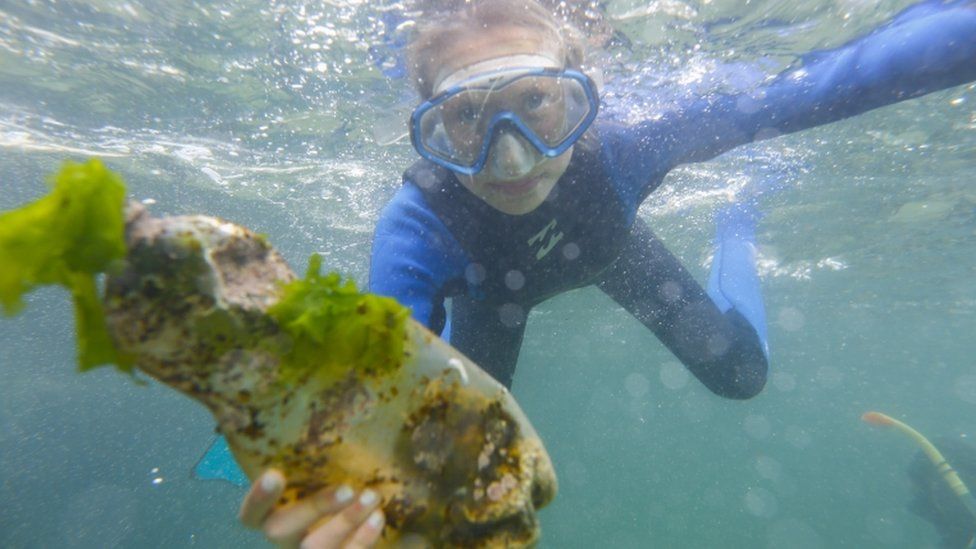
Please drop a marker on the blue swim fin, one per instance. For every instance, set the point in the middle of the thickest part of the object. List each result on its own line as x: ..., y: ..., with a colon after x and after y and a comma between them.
x: 734, y: 281
x: 219, y: 464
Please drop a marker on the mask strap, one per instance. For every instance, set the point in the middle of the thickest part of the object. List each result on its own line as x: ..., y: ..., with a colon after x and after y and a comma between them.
x: 508, y: 61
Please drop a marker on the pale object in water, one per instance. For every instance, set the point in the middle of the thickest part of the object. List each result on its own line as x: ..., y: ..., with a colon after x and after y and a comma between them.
x: 452, y: 455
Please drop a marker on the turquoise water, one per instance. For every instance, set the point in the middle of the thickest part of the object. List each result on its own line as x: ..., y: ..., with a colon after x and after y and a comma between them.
x: 271, y: 115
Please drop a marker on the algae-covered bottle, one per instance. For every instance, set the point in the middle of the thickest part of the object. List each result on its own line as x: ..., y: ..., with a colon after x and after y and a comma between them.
x: 314, y: 378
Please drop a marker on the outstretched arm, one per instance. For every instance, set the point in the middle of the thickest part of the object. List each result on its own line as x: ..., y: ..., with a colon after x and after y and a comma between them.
x: 414, y: 258
x: 929, y: 47
x: 719, y: 346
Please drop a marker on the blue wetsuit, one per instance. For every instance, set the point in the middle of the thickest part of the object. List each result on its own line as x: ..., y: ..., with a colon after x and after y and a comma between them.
x: 436, y: 240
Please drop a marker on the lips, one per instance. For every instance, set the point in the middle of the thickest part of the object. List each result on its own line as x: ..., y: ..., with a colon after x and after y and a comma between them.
x: 516, y: 188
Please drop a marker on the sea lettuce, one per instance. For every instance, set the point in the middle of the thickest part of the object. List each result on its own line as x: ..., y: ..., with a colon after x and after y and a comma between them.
x: 66, y: 238
x: 78, y: 230
x: 335, y: 328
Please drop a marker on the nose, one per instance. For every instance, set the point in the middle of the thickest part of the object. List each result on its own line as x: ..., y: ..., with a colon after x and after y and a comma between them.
x: 511, y: 157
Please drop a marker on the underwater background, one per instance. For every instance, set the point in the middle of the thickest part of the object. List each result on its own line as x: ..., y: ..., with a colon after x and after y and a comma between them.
x: 288, y: 117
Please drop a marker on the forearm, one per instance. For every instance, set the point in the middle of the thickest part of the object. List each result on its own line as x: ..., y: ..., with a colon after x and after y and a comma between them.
x: 929, y: 47
x: 739, y: 371
x: 722, y: 350
x: 926, y: 49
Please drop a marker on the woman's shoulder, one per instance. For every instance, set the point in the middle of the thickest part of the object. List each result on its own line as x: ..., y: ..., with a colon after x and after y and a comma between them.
x: 409, y: 214
x: 407, y: 203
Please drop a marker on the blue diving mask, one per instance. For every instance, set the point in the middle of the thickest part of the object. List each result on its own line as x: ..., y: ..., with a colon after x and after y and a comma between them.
x: 549, y: 107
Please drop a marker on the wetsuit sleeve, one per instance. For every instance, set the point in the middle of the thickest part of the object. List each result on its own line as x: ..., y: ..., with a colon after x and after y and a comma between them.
x: 929, y: 47
x: 414, y: 257
x: 722, y: 349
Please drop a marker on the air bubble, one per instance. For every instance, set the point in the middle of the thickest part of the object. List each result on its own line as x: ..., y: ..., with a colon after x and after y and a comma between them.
x: 571, y: 251
x: 757, y: 427
x: 474, y: 273
x: 717, y: 345
x: 768, y: 468
x: 674, y: 376
x: 790, y: 319
x: 669, y: 292
x: 747, y: 105
x: 511, y: 315
x: 760, y: 502
x: 514, y: 280
x: 637, y: 384
x: 783, y: 381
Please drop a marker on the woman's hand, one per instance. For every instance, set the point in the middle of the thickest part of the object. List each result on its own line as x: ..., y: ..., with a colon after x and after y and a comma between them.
x: 331, y: 518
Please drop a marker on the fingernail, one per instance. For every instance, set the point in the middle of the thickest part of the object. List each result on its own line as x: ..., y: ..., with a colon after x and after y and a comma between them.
x: 367, y: 498
x: 270, y: 482
x: 343, y: 494
x: 375, y: 519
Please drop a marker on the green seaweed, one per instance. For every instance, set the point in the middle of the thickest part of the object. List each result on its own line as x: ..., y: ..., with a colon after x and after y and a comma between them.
x: 66, y: 238
x: 334, y: 328
x: 78, y: 230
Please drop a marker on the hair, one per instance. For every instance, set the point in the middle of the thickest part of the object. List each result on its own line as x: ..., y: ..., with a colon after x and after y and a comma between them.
x: 444, y: 22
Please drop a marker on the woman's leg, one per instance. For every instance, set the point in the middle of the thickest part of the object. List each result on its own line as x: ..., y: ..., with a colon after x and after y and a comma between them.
x: 722, y: 350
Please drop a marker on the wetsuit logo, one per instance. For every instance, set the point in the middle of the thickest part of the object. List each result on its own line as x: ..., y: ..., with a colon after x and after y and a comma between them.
x: 550, y: 243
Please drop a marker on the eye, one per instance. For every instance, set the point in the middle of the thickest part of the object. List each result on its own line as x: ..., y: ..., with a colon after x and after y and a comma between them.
x: 467, y: 114
x: 534, y: 100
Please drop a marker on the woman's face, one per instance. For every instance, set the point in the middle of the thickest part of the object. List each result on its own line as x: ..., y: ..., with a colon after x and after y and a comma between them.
x: 516, y: 178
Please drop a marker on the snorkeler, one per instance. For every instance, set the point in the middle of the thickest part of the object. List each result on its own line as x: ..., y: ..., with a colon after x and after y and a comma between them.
x: 939, y: 502
x: 939, y: 475
x: 478, y: 220
x: 524, y: 192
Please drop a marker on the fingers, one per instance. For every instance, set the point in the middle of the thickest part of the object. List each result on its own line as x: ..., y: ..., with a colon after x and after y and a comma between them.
x: 261, y: 498
x: 368, y: 532
x: 350, y: 524
x: 287, y: 525
x: 357, y: 526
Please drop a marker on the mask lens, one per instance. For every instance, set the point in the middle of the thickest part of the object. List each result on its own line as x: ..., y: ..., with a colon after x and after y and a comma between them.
x: 546, y: 108
x: 455, y: 128
x: 556, y: 109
